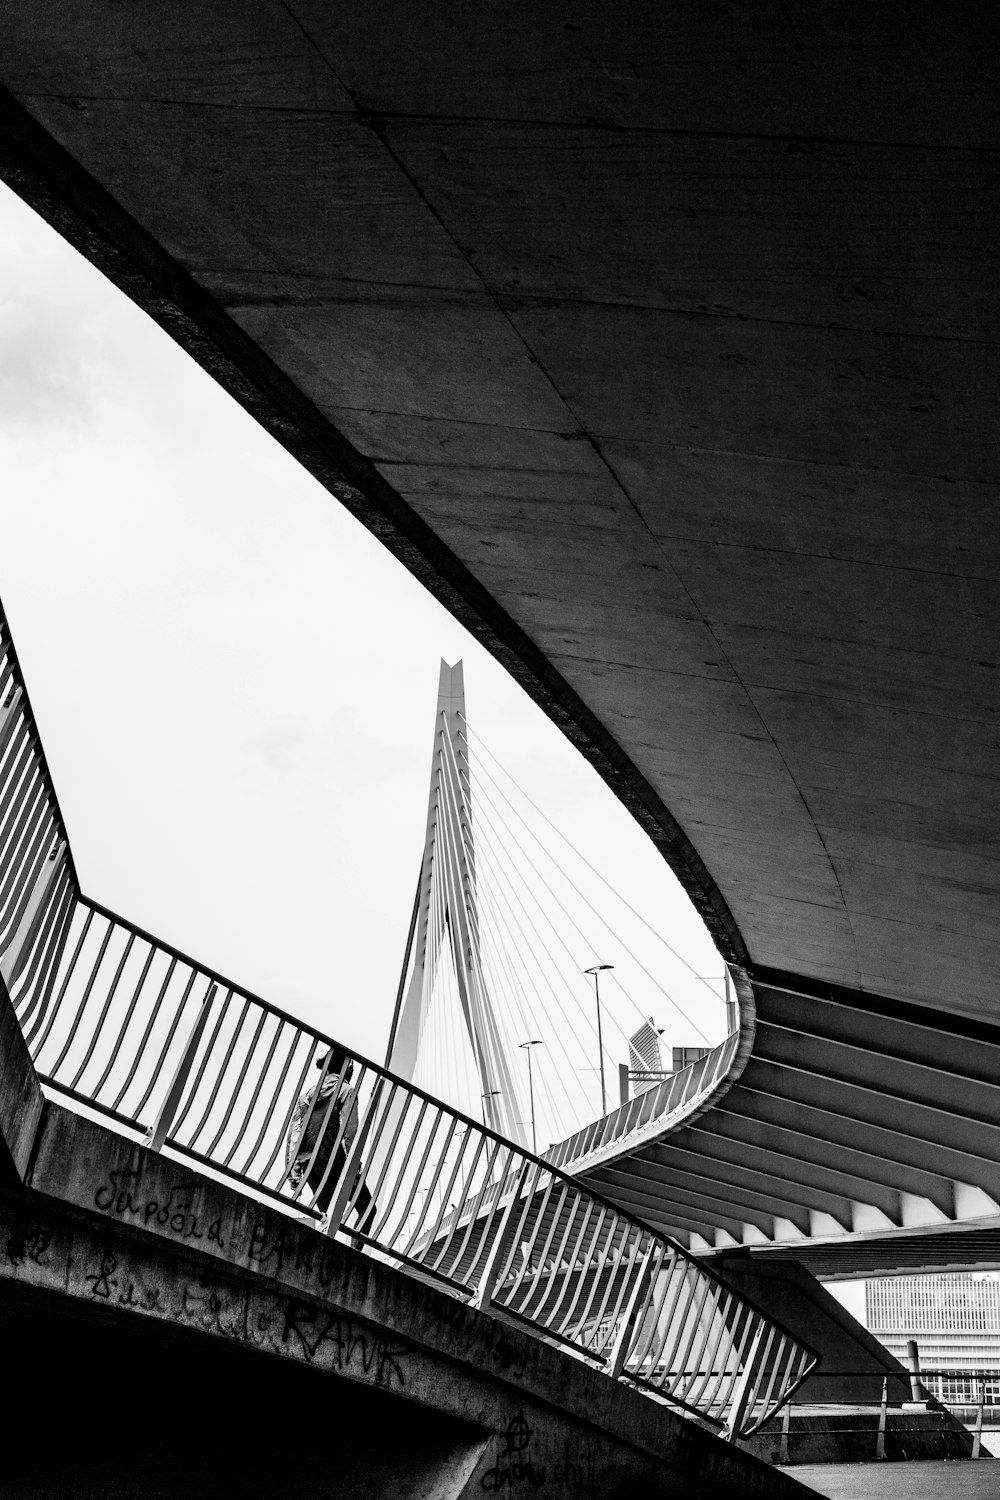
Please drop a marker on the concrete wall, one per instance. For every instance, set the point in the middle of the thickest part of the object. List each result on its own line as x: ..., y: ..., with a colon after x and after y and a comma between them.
x: 20, y: 1097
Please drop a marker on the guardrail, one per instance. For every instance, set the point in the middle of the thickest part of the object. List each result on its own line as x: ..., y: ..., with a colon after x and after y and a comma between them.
x: 650, y: 1105
x: 890, y: 1408
x: 170, y: 1049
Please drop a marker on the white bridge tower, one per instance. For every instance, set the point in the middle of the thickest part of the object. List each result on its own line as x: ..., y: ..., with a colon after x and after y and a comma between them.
x: 446, y: 921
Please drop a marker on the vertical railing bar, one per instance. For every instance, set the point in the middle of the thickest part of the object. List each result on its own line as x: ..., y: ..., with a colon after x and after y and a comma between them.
x: 706, y: 1288
x: 30, y: 1036
x: 279, y: 1027
x: 376, y: 1190
x: 696, y: 1354
x: 32, y: 982
x: 137, y: 990
x: 23, y: 796
x: 542, y: 1293
x: 165, y: 1049
x: 31, y: 856
x: 456, y: 1218
x: 637, y: 1240
x: 518, y: 1272
x: 220, y: 1072
x: 449, y: 1137
x: 83, y: 1002
x: 159, y: 1132
x: 473, y: 1217
x: 130, y: 943
x: 635, y: 1310
x: 593, y: 1253
x: 234, y: 1093
x: 17, y: 783
x: 537, y: 1224
x: 491, y: 1276
x: 140, y: 1050
x: 282, y: 1138
x: 267, y: 1115
x: 573, y: 1260
x: 658, y: 1320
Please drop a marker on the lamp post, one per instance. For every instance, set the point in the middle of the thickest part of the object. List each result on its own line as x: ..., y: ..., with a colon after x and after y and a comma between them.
x: 526, y: 1047
x: 597, y: 969
x: 488, y: 1107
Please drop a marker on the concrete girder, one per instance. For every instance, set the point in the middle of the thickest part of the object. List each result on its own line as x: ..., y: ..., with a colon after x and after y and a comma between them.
x: 813, y: 1184
x: 622, y: 1187
x: 732, y: 1179
x: 843, y: 1062
x: 870, y: 1104
x: 887, y: 1145
x: 916, y: 1039
x: 868, y: 1178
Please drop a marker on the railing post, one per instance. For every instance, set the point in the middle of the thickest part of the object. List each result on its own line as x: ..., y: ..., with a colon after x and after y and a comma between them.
x: 483, y: 1295
x: 880, y: 1440
x: 743, y: 1394
x: 977, y: 1436
x: 160, y: 1129
x: 918, y: 1395
x: 623, y: 1338
x: 786, y: 1422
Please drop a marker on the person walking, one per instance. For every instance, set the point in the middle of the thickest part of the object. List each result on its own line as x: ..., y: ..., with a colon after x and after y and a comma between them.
x: 313, y: 1151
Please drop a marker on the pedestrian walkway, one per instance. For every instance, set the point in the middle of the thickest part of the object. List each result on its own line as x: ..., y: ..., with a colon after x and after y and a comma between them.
x: 969, y: 1479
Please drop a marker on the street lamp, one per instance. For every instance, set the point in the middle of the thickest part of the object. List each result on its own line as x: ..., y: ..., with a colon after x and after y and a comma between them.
x: 526, y: 1047
x: 596, y: 969
x: 488, y: 1107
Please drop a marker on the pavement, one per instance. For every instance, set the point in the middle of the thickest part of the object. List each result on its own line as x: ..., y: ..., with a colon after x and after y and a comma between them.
x: 969, y: 1479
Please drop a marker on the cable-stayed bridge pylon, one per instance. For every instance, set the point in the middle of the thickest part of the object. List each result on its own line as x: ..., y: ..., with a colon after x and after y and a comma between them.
x: 446, y: 925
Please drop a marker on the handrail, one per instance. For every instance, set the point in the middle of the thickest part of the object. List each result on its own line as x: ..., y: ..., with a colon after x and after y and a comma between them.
x: 196, y: 1063
x: 648, y: 1107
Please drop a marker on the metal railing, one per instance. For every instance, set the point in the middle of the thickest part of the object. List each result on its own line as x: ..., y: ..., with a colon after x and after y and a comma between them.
x: 651, y: 1105
x: 873, y: 1415
x: 168, y: 1048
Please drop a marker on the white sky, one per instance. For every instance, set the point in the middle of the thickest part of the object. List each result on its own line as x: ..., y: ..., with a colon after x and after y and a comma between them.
x: 235, y: 684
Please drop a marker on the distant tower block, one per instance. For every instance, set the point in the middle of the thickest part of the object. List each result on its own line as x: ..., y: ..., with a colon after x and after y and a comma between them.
x: 446, y: 920
x: 645, y: 1062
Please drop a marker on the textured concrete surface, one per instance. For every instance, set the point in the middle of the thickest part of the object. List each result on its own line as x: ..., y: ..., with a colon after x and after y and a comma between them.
x: 662, y: 342
x: 124, y: 1238
x: 966, y: 1480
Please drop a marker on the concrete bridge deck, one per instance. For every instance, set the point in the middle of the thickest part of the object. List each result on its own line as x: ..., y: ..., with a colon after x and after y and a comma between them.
x: 205, y: 1342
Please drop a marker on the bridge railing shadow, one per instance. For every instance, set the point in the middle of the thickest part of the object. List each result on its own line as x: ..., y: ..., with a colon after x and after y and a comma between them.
x: 189, y: 1062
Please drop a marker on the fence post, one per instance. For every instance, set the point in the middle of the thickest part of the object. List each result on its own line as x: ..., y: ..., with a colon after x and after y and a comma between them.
x: 160, y: 1129
x: 977, y: 1436
x: 786, y: 1421
x: 880, y: 1440
x: 488, y: 1280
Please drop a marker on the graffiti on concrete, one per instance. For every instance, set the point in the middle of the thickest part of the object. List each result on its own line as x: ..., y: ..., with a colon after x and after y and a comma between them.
x: 173, y: 1212
x: 29, y: 1238
x: 103, y: 1281
x: 347, y: 1346
x: 516, y: 1467
x: 292, y: 1327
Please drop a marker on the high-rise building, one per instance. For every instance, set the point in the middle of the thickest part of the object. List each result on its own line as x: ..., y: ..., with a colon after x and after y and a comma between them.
x: 955, y: 1320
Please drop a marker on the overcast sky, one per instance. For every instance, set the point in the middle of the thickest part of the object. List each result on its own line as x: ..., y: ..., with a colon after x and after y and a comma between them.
x: 234, y: 683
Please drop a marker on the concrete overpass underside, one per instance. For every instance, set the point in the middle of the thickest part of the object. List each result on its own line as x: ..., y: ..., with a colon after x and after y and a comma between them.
x: 661, y: 342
